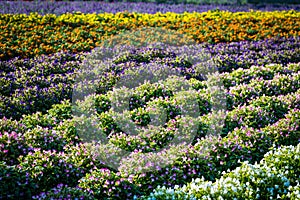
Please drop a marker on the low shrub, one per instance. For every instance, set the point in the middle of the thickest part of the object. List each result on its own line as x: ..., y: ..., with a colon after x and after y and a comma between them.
x: 105, y: 184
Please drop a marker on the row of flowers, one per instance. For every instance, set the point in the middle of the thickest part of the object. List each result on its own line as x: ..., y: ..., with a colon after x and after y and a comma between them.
x: 280, y: 84
x: 26, y: 84
x: 246, y: 54
x: 267, y: 72
x: 61, y: 7
x: 33, y: 34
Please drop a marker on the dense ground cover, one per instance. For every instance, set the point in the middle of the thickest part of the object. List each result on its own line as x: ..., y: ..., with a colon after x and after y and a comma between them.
x: 29, y: 35
x: 254, y: 154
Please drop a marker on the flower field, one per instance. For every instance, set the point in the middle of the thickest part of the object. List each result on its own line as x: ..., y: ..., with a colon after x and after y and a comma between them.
x: 223, y: 124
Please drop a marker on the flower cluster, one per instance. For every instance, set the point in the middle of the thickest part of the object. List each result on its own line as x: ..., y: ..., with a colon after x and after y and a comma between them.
x: 106, y: 184
x: 12, y: 145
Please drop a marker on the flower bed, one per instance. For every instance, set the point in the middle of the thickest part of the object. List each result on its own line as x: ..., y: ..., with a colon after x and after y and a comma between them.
x: 37, y: 34
x: 174, y: 130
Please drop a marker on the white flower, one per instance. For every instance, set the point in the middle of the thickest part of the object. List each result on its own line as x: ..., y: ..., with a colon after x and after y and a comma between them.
x: 234, y: 189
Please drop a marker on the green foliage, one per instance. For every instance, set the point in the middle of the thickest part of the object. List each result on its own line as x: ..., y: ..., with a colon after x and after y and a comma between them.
x: 62, y: 191
x: 61, y: 111
x: 15, y: 183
